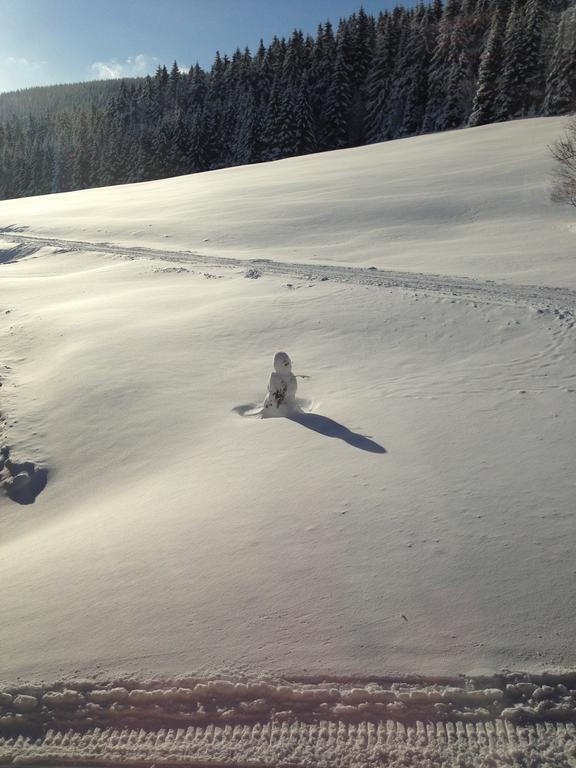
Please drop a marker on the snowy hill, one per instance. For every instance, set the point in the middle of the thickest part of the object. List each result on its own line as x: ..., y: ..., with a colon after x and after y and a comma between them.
x: 419, y: 520
x: 458, y: 203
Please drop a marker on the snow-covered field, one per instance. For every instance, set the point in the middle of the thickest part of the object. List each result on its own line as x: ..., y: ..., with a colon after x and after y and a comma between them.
x: 418, y: 519
x: 459, y: 203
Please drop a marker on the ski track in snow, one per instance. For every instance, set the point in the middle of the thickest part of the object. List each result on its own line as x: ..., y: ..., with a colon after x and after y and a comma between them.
x: 559, y: 301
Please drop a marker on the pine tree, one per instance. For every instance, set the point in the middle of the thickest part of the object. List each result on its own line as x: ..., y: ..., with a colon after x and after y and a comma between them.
x: 415, y: 78
x: 396, y: 102
x: 537, y: 21
x: 440, y: 66
x: 379, y: 78
x: 306, y: 132
x: 361, y: 51
x: 560, y: 95
x: 174, y: 86
x: 460, y: 83
x: 196, y: 158
x: 338, y: 98
x: 82, y: 163
x: 513, y: 91
x: 288, y: 128
x: 244, y: 146
x: 271, y: 123
x: 322, y: 66
x: 484, y: 109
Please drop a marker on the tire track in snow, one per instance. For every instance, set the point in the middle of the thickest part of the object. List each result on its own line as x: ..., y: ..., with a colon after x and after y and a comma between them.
x: 560, y: 302
x: 302, y: 745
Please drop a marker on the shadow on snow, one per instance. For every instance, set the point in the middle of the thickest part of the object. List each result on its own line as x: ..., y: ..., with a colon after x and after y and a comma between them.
x: 322, y: 425
x: 330, y: 428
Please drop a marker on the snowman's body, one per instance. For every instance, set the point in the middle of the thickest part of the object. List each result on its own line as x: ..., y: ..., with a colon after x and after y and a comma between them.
x: 281, y: 397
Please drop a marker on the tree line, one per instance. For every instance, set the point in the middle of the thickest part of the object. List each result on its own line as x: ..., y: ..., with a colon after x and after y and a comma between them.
x: 66, y: 97
x: 439, y: 66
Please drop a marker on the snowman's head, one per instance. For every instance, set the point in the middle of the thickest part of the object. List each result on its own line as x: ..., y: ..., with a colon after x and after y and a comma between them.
x: 282, y: 363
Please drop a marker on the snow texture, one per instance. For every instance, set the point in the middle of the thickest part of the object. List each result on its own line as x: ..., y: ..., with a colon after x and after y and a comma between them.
x: 504, y: 720
x: 416, y: 517
x: 303, y: 745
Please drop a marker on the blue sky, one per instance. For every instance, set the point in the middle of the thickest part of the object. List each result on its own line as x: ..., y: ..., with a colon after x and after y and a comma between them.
x: 62, y: 41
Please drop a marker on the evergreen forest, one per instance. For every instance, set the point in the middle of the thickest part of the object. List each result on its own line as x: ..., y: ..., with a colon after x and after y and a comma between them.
x: 439, y: 66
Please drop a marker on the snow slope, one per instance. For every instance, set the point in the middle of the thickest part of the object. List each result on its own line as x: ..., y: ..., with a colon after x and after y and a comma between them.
x: 458, y: 203
x: 419, y: 519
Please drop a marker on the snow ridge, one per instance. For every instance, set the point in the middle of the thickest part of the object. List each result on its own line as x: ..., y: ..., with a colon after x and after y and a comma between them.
x: 188, y: 700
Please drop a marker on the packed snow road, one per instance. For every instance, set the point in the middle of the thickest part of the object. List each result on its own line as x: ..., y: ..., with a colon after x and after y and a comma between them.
x: 561, y: 302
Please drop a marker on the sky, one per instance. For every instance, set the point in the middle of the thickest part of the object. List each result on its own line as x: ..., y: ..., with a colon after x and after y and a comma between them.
x: 61, y: 41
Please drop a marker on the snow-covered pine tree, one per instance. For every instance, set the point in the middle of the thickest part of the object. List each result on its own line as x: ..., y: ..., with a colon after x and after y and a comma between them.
x: 305, y: 128
x: 323, y: 62
x: 391, y: 120
x: 215, y: 113
x: 537, y: 20
x: 379, y: 78
x: 439, y: 71
x: 560, y: 97
x: 64, y: 159
x: 288, y: 132
x: 271, y: 122
x: 335, y: 130
x: 360, y: 53
x: 423, y: 30
x: 196, y: 159
x: 512, y: 86
x: 485, y: 101
x: 461, y: 76
x: 293, y: 64
x: 243, y: 147
x: 175, y: 84
x: 195, y: 91
x: 83, y: 156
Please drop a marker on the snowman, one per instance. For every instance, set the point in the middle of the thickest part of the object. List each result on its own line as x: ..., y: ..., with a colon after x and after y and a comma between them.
x: 281, y: 397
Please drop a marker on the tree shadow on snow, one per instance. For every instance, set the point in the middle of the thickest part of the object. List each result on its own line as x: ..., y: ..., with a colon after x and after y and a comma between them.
x: 16, y: 252
x: 330, y: 428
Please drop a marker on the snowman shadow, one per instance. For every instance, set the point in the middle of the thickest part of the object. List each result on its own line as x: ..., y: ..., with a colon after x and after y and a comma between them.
x: 330, y: 428
x: 281, y: 402
x: 315, y: 422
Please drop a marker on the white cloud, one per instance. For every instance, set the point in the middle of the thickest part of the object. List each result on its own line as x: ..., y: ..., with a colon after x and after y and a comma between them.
x: 21, y: 62
x: 133, y: 66
x: 19, y: 72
